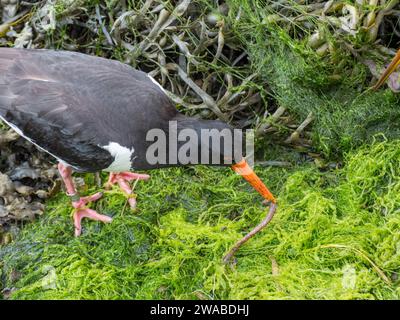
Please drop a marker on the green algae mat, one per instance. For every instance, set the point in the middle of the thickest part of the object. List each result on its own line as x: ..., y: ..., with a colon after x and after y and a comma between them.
x: 333, y: 87
x: 335, y: 236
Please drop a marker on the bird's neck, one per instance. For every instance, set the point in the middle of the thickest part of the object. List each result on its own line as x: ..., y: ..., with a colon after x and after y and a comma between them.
x: 212, y: 140
x: 189, y: 141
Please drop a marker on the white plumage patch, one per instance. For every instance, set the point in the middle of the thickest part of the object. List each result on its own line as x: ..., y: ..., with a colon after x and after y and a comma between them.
x: 155, y: 82
x: 122, y: 157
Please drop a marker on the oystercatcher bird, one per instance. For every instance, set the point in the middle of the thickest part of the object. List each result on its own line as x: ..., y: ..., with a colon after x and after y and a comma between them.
x: 93, y: 114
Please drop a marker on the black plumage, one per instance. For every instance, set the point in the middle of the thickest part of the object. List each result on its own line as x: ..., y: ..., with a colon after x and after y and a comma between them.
x: 70, y: 104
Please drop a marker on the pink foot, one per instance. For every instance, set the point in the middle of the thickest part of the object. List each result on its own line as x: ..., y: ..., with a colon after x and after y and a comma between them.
x: 123, y: 179
x: 83, y: 212
x: 83, y: 201
x: 79, y: 214
x: 79, y: 203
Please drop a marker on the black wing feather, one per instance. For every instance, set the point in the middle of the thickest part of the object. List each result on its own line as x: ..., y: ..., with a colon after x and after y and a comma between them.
x: 71, y: 104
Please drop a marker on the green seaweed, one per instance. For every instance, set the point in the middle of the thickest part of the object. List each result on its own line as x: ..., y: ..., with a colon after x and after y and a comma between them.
x: 335, y: 88
x: 335, y: 236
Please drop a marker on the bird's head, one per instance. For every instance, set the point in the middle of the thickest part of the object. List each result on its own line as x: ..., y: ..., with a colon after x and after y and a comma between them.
x: 222, y: 145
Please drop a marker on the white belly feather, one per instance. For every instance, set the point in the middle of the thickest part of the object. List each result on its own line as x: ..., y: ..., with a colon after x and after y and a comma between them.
x: 122, y: 157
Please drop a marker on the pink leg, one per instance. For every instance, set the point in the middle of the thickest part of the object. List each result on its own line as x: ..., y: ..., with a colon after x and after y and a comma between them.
x: 123, y: 179
x: 79, y: 203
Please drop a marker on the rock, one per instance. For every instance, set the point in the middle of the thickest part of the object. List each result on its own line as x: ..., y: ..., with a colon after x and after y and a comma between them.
x: 22, y: 189
x: 24, y: 171
x: 3, y: 211
x: 6, y: 185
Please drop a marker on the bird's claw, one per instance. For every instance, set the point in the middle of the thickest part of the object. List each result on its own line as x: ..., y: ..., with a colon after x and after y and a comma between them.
x: 82, y: 211
x: 83, y: 201
x: 123, y: 179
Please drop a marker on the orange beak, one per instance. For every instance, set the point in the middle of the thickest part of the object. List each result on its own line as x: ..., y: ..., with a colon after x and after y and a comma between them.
x: 247, y: 173
x: 389, y: 70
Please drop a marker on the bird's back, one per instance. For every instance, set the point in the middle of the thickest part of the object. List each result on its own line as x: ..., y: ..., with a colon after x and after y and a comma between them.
x: 71, y: 104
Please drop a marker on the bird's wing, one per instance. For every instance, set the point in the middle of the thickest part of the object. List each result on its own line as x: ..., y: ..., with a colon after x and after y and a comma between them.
x: 70, y: 103
x: 42, y: 96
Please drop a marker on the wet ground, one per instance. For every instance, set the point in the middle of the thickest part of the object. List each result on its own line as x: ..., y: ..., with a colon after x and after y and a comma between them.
x: 27, y: 178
